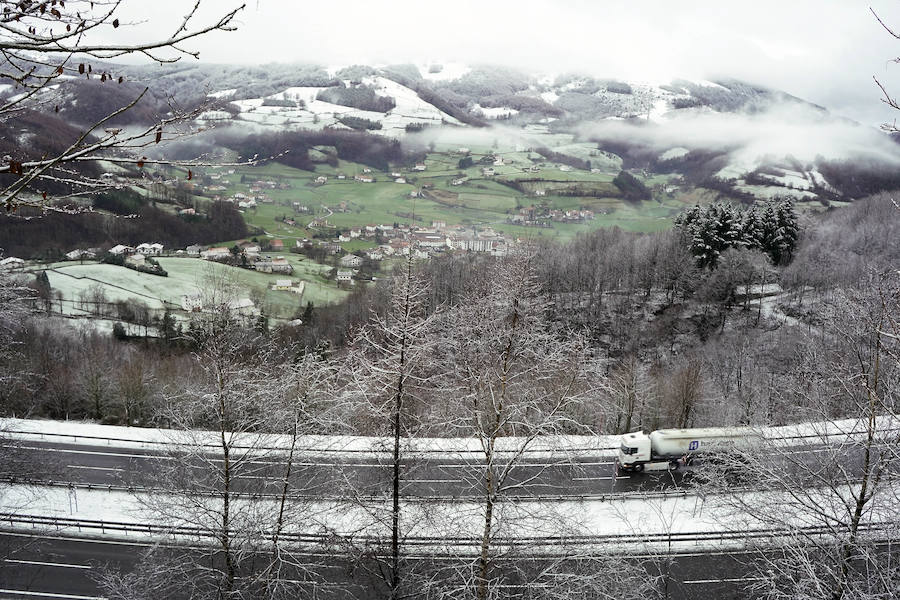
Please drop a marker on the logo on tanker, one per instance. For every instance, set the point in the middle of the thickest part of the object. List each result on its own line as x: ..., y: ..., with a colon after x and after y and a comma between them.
x: 694, y: 445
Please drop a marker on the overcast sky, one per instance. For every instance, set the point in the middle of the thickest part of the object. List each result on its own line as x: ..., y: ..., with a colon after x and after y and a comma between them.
x: 825, y: 51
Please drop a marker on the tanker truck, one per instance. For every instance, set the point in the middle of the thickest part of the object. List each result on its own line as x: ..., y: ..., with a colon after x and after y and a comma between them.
x: 666, y: 449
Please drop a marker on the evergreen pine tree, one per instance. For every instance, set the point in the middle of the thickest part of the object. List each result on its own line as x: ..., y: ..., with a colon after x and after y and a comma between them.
x: 751, y: 228
x: 788, y: 230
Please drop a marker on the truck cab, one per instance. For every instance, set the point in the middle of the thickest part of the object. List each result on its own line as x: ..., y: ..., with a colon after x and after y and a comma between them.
x: 634, y: 451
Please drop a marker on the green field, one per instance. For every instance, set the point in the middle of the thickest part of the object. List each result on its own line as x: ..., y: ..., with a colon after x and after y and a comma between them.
x: 479, y: 201
x: 190, y: 276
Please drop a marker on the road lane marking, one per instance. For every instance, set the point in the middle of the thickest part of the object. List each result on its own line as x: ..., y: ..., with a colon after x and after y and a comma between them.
x: 433, y: 481
x: 724, y: 580
x: 45, y: 564
x: 51, y: 595
x: 117, y: 454
x: 94, y: 468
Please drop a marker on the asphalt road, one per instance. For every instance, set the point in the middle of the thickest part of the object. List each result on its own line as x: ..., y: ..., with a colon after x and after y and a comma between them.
x: 41, y: 566
x: 101, y: 465
x: 60, y: 567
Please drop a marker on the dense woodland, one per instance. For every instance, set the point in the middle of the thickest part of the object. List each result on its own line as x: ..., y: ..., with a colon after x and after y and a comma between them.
x: 54, y: 234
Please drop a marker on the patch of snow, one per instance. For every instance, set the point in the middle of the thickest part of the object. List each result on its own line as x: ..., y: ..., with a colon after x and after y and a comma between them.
x: 712, y: 84
x: 771, y: 191
x: 449, y: 71
x: 549, y: 97
x: 497, y: 112
x: 660, y: 108
x: 222, y: 93
x: 673, y: 153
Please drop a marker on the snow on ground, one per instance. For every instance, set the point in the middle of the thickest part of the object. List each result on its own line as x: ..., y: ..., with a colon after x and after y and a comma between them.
x: 602, y: 445
x: 631, y: 516
x: 497, y: 112
x: 317, y: 114
x: 792, y: 178
x: 445, y: 520
x: 659, y: 110
x: 222, y: 93
x: 408, y: 101
x: 137, y: 437
x: 712, y: 84
x: 673, y: 153
x: 772, y: 191
x: 549, y: 97
x: 449, y: 71
x: 119, y: 283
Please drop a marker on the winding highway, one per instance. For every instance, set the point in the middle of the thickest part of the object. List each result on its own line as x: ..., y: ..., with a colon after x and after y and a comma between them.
x: 62, y: 561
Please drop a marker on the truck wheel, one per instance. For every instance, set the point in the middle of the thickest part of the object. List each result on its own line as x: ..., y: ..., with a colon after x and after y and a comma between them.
x: 638, y: 468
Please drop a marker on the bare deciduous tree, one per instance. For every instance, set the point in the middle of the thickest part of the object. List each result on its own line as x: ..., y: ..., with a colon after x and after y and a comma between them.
x: 835, y: 500
x: 41, y: 44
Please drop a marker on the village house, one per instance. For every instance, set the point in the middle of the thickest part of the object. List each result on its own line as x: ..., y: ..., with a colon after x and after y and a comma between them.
x: 344, y: 238
x: 150, y: 249
x: 344, y: 276
x: 137, y: 260
x: 276, y: 245
x: 274, y: 265
x: 420, y: 167
x: 193, y: 250
x: 243, y: 307
x: 191, y: 302
x: 282, y: 284
x: 251, y: 249
x: 321, y: 179
x: 119, y: 250
x: 355, y: 232
x: 364, y: 179
x: 400, y: 180
x: 374, y: 254
x: 487, y: 171
x: 351, y: 260
x: 459, y: 181
x: 217, y: 253
x: 400, y: 247
x: 80, y: 254
x: 11, y: 264
x: 247, y: 203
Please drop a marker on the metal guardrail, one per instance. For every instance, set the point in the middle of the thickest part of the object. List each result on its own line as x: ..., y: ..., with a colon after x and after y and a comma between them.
x: 61, y: 524
x: 602, y: 497
x: 158, y: 443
